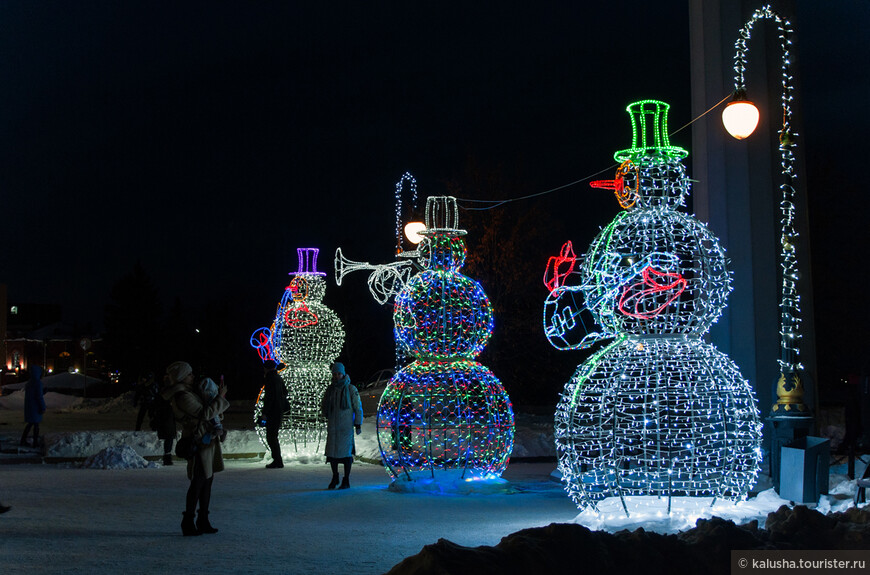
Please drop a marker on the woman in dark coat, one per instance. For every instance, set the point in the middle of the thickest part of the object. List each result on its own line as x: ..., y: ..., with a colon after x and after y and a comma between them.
x: 342, y: 409
x: 34, y: 405
x: 274, y: 400
x: 164, y: 425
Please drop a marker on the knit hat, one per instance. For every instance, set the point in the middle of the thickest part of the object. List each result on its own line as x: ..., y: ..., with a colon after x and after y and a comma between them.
x: 178, y: 371
x: 208, y: 388
x: 338, y: 368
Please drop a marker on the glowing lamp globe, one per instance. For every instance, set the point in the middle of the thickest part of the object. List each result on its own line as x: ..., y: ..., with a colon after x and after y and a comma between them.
x: 740, y: 118
x: 412, y: 232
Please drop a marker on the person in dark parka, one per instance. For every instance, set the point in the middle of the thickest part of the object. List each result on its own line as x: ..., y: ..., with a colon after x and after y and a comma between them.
x: 164, y: 423
x: 342, y: 409
x: 34, y: 405
x: 274, y: 399
x: 144, y: 396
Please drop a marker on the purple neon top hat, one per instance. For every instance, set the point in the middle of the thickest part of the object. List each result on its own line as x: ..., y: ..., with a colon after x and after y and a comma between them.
x: 308, y: 262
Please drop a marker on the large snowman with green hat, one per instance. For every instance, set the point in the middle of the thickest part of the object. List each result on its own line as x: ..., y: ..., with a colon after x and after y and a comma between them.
x: 655, y: 412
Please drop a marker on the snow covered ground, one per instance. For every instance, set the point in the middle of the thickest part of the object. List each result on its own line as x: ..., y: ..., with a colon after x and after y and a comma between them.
x: 118, y: 513
x: 71, y: 519
x: 80, y: 520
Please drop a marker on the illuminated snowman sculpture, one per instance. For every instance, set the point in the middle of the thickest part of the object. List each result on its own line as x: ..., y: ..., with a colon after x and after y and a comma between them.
x: 444, y: 414
x: 306, y: 336
x: 443, y: 417
x: 656, y: 412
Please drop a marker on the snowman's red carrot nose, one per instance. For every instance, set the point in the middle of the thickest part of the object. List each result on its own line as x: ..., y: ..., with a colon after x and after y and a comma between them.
x: 615, y: 185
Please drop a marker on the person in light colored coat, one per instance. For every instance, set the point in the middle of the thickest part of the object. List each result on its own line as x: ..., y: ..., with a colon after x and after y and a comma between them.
x: 342, y: 408
x: 195, y: 416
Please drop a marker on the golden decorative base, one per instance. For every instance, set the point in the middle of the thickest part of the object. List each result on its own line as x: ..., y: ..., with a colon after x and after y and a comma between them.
x: 790, y: 393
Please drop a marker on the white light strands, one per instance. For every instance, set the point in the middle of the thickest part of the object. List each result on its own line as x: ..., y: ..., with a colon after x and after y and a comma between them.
x: 789, y: 388
x: 400, y: 185
x: 656, y: 412
x: 444, y: 416
x: 306, y: 336
x: 385, y: 280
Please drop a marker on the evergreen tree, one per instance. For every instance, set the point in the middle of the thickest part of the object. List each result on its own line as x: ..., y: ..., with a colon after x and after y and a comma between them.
x: 133, y: 336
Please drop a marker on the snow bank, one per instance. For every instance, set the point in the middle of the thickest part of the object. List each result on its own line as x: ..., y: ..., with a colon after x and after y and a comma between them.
x: 121, y: 404
x: 533, y: 438
x: 122, y: 457
x: 53, y: 400
x: 703, y: 550
x: 78, y: 444
x: 651, y: 513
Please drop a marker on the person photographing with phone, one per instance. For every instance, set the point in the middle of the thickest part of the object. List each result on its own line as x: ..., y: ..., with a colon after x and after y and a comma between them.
x: 196, y: 409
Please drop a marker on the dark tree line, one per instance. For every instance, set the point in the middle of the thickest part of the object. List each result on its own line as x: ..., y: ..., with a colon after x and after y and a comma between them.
x: 140, y: 338
x: 508, y: 249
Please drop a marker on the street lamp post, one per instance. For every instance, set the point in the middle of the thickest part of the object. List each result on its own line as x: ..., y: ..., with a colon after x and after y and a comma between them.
x: 790, y: 416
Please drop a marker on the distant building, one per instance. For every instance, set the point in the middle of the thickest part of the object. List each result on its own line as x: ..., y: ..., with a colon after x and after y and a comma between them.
x: 33, y: 334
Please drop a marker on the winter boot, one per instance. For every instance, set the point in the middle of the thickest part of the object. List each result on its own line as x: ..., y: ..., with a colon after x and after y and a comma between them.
x: 187, y: 525
x: 334, y: 481
x: 345, y: 483
x: 167, y: 459
x: 203, y: 525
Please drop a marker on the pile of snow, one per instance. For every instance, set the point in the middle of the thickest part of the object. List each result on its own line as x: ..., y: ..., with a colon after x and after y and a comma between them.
x: 651, y: 513
x: 121, y: 404
x: 530, y: 442
x: 533, y: 436
x: 63, y: 380
x: 78, y: 444
x: 703, y: 550
x: 53, y: 400
x: 123, y: 457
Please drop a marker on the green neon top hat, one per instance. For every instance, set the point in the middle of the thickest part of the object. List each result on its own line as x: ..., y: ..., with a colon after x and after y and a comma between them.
x: 649, y: 127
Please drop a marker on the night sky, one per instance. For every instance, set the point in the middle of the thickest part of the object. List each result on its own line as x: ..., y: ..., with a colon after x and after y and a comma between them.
x: 209, y: 140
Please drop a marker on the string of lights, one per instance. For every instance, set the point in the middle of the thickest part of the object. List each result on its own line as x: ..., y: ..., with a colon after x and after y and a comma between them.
x: 497, y: 203
x: 790, y: 314
x: 400, y: 185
